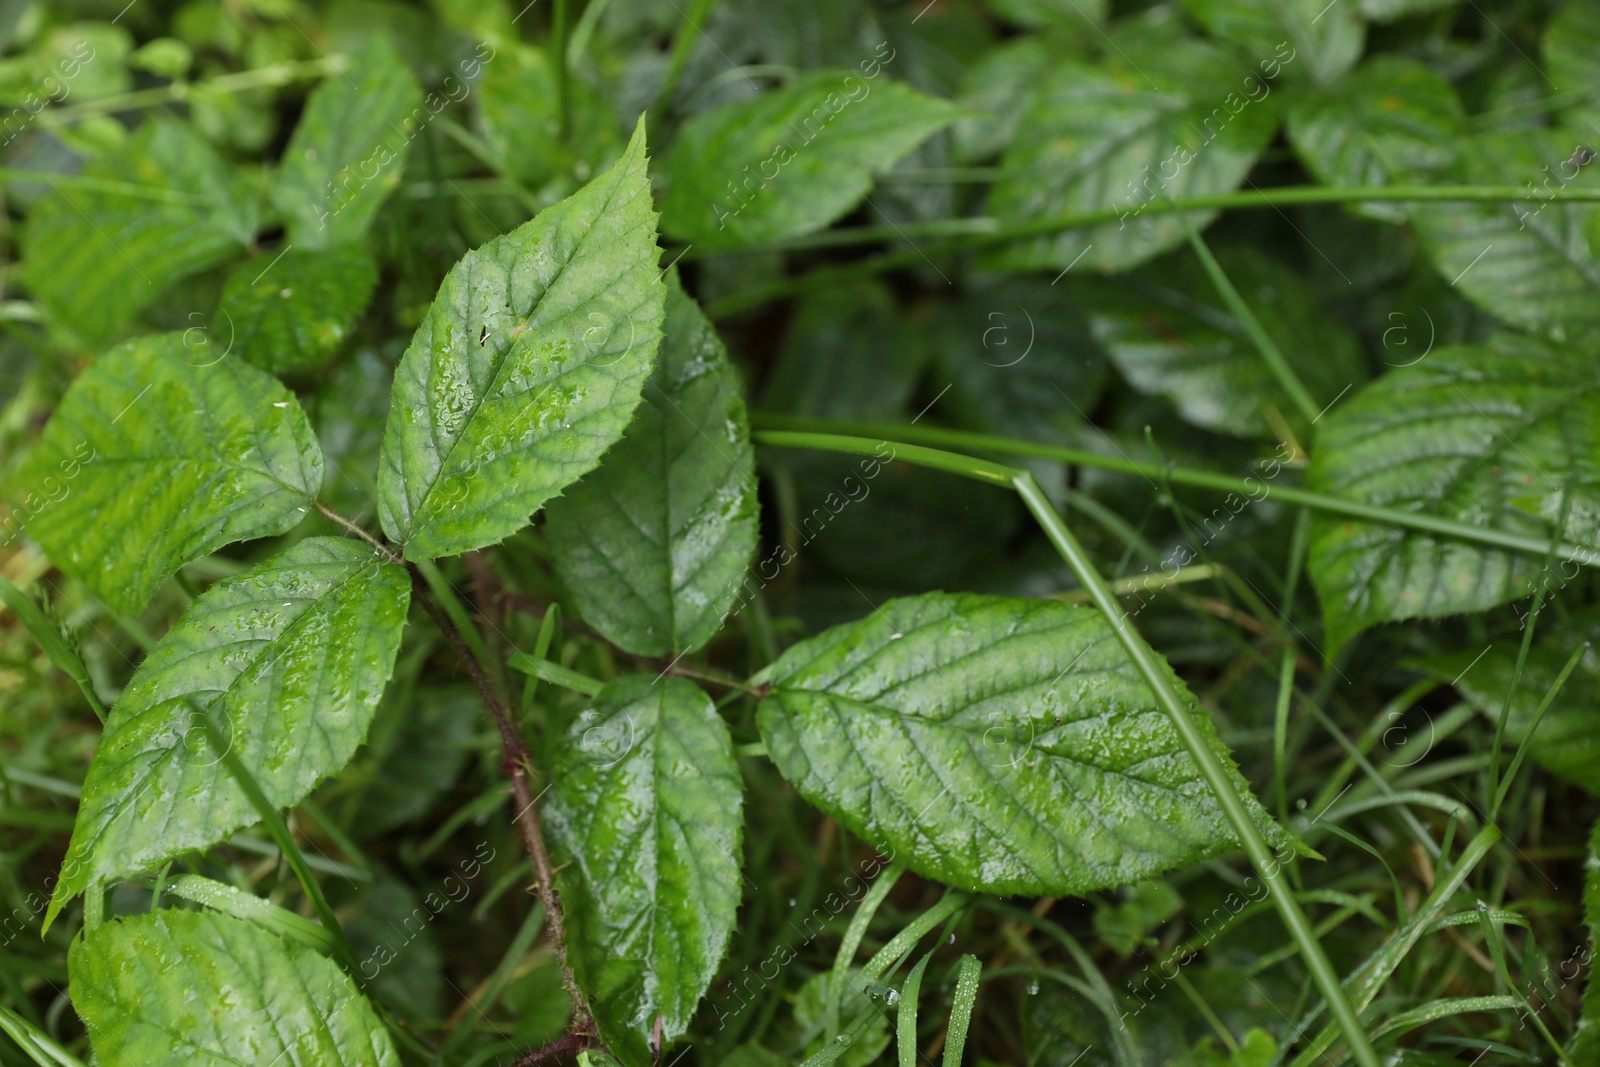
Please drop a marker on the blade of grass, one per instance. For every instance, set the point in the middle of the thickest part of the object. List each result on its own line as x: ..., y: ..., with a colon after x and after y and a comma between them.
x: 968, y: 971
x: 905, y: 1023
x: 49, y: 637
x: 852, y: 938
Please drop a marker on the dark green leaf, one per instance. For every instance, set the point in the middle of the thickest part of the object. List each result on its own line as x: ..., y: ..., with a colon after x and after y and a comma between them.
x: 155, y: 458
x: 348, y: 151
x: 1530, y: 263
x: 286, y: 660
x: 526, y: 369
x: 1324, y: 39
x: 1586, y: 1046
x: 1393, y: 120
x: 654, y: 543
x: 183, y: 988
x: 1170, y: 334
x: 1567, y: 742
x: 847, y: 355
x: 793, y: 160
x: 1163, y: 117
x: 997, y: 744
x: 1486, y: 435
x: 646, y: 808
x: 290, y: 311
x: 99, y: 248
x: 1570, y: 41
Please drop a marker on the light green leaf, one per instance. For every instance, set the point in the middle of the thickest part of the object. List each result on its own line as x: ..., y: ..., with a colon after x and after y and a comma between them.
x: 1567, y: 742
x: 154, y: 459
x: 1040, y: 14
x: 997, y: 744
x: 1322, y: 39
x: 1487, y: 435
x: 654, y: 543
x: 183, y: 988
x: 288, y: 312
x: 1390, y: 10
x: 1163, y: 117
x: 287, y: 660
x: 997, y: 89
x: 1393, y: 120
x: 526, y: 369
x: 793, y: 160
x: 521, y: 125
x: 646, y: 809
x: 1530, y: 263
x: 350, y: 147
x: 163, y: 206
x: 1169, y: 333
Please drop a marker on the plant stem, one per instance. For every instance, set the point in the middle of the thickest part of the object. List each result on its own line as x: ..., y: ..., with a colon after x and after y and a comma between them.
x: 339, y: 520
x: 558, y: 56
x: 518, y: 766
x: 778, y: 431
x: 682, y: 43
x: 1158, y: 676
x: 1270, y: 352
x: 267, y: 77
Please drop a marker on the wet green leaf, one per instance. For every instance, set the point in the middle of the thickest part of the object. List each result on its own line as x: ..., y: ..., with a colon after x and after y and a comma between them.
x: 654, y: 542
x: 997, y: 744
x: 646, y: 809
x: 1393, y: 120
x: 1162, y: 117
x: 157, y: 457
x: 197, y: 988
x: 1487, y: 435
x: 286, y: 661
x: 347, y: 154
x: 792, y: 160
x: 98, y: 249
x: 526, y: 369
x: 288, y: 312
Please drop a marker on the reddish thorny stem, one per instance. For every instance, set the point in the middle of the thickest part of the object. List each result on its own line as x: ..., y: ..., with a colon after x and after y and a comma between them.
x: 518, y: 766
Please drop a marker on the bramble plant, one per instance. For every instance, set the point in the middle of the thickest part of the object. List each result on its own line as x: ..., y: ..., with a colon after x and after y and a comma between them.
x: 1045, y: 531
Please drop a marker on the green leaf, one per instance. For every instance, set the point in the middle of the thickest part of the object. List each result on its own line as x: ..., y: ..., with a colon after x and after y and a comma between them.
x: 997, y: 89
x: 197, y: 988
x: 526, y: 369
x: 847, y: 355
x: 522, y: 127
x: 101, y: 247
x: 654, y: 543
x: 1323, y: 39
x: 1040, y: 14
x: 1567, y: 742
x: 346, y: 155
x: 1163, y: 117
x: 1586, y: 1045
x: 793, y: 160
x: 646, y: 809
x: 1010, y: 352
x: 1390, y: 10
x: 997, y: 744
x: 288, y: 312
x: 1488, y: 435
x: 1532, y: 264
x: 153, y: 460
x: 1169, y: 333
x: 287, y: 660
x: 1395, y: 119
x: 1570, y: 41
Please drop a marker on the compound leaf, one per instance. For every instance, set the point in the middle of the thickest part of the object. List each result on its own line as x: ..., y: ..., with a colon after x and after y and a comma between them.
x: 654, y: 542
x: 1395, y: 119
x: 197, y: 988
x: 997, y: 744
x: 791, y: 161
x: 346, y: 155
x: 288, y: 312
x: 103, y: 245
x: 1164, y: 117
x: 1530, y: 263
x: 646, y: 809
x: 527, y: 367
x: 280, y: 666
x: 154, y: 459
x: 1488, y: 435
